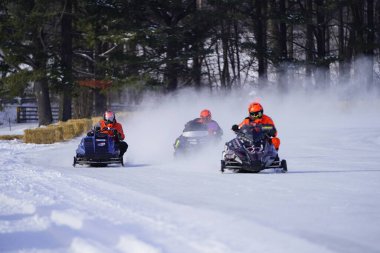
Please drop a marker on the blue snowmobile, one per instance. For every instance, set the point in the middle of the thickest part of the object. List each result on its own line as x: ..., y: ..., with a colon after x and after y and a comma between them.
x: 98, y: 149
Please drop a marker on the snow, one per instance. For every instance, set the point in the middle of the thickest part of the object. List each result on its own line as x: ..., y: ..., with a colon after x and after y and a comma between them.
x: 327, y: 202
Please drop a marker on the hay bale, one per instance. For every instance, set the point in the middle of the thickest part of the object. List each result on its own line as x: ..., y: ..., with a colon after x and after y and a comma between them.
x: 68, y: 131
x: 81, y: 126
x: 43, y: 135
x: 95, y: 120
x: 58, y: 132
x: 9, y: 137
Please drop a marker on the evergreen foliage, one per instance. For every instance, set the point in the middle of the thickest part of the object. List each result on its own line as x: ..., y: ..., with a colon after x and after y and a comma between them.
x: 165, y: 45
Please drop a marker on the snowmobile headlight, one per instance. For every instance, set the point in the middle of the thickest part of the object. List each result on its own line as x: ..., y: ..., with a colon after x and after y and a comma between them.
x: 229, y: 154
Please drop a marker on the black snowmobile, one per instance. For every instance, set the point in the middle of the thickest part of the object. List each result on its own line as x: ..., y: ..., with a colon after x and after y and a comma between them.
x: 252, y: 151
x: 194, y: 137
x: 97, y: 149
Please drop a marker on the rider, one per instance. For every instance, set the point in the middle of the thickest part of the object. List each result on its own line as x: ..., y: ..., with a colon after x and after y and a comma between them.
x: 205, y: 121
x: 257, y: 117
x: 205, y: 118
x: 110, y: 126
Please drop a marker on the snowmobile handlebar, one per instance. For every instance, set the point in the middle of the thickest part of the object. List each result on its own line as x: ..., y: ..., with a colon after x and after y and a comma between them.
x: 261, y: 131
x: 106, y: 130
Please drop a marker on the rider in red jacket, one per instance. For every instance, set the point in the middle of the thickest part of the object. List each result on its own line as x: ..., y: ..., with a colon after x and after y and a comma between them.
x: 110, y: 126
x: 257, y: 116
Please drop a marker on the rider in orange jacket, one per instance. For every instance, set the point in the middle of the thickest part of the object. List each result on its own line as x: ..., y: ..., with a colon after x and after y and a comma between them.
x: 257, y: 116
x: 110, y: 126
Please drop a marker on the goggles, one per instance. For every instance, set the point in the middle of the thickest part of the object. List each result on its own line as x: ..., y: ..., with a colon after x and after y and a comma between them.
x: 256, y: 115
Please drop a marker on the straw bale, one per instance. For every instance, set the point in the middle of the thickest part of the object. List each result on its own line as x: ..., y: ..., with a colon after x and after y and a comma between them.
x: 95, y: 120
x: 58, y: 131
x: 11, y: 137
x: 68, y: 131
x: 43, y: 135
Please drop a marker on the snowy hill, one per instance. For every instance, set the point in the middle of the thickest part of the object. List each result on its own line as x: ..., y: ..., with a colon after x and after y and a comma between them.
x: 327, y: 202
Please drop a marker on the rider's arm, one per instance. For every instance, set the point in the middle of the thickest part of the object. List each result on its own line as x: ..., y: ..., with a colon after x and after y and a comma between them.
x: 244, y: 122
x: 119, y: 129
x: 268, y: 121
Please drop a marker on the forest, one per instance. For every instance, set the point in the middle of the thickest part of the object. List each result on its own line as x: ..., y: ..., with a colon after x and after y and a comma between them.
x: 76, y: 53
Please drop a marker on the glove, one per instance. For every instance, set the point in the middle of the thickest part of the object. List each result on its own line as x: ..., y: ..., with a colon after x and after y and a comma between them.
x: 115, y: 133
x: 235, y: 128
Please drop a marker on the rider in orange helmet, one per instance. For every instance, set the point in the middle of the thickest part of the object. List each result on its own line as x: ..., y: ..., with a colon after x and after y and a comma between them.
x: 110, y: 126
x: 205, y: 118
x: 257, y: 116
x: 205, y: 122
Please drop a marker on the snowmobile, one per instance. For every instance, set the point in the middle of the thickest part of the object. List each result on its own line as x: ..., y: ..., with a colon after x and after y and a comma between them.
x: 194, y: 137
x: 252, y: 151
x: 98, y: 149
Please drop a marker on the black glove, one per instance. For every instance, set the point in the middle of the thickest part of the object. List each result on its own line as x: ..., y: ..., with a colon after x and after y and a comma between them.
x: 115, y: 133
x: 235, y: 128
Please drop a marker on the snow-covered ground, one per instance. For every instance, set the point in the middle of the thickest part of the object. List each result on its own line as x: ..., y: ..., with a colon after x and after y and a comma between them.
x: 329, y: 201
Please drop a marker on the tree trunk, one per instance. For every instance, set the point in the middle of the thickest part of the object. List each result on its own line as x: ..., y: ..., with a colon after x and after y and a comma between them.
x: 323, y: 64
x: 172, y: 63
x: 237, y: 52
x: 197, y: 65
x: 41, y: 90
x: 225, y: 70
x: 341, y: 46
x: 66, y: 56
x: 283, y: 82
x: 357, y: 25
x: 283, y: 31
x: 83, y: 103
x: 100, y: 102
x: 370, y: 42
x: 309, y: 38
x: 377, y: 21
x: 260, y: 29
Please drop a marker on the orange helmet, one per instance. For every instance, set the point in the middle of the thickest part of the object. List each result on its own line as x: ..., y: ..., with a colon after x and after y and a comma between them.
x: 109, y: 117
x: 205, y: 114
x: 255, y: 110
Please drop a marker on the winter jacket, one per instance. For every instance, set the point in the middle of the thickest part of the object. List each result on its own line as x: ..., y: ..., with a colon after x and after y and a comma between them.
x: 212, y: 126
x: 116, y: 125
x: 265, y: 120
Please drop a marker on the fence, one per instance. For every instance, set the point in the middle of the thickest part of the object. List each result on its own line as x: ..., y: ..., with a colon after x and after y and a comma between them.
x: 30, y: 113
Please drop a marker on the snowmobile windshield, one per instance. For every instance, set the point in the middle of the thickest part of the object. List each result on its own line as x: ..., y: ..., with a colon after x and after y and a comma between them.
x: 195, y: 134
x: 195, y: 126
x: 253, y: 133
x: 195, y: 129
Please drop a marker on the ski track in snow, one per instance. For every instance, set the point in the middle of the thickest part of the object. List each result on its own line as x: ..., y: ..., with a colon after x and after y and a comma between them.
x: 327, y: 202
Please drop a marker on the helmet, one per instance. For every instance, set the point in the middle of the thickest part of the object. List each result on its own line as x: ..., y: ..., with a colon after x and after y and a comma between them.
x: 109, y: 117
x: 255, y: 110
x: 205, y: 114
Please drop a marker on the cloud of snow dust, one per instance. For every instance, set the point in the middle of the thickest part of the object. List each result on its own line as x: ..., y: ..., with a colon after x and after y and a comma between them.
x: 152, y: 130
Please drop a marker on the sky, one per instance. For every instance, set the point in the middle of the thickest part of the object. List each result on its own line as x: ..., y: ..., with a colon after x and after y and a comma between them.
x: 327, y: 202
